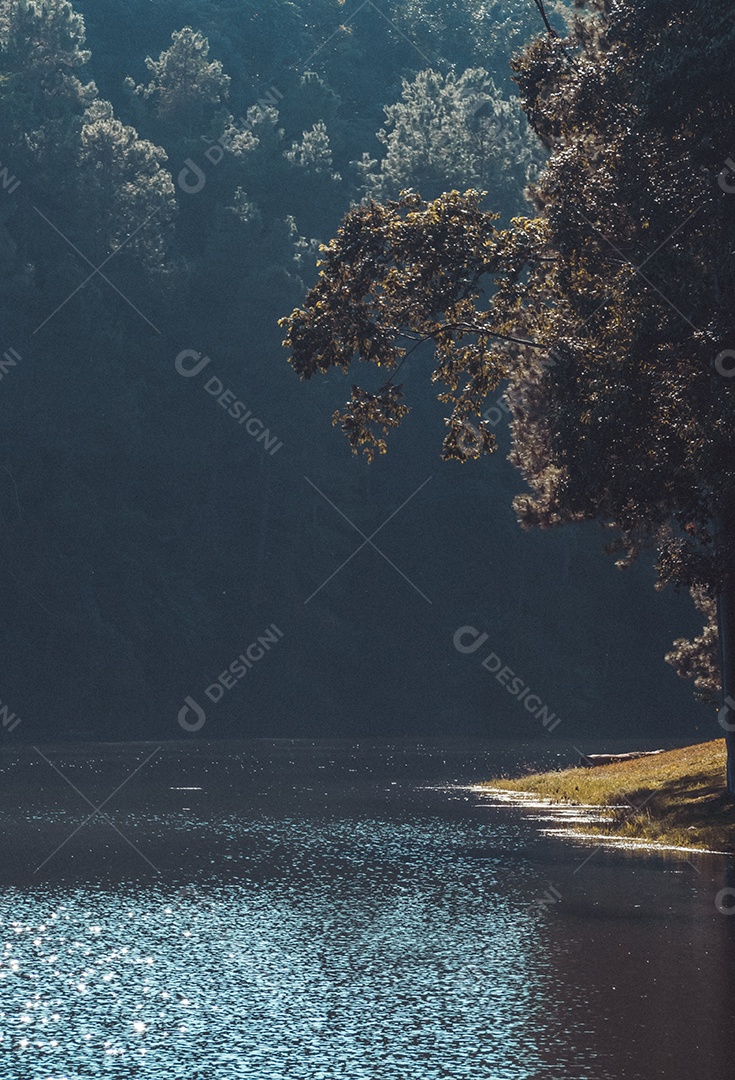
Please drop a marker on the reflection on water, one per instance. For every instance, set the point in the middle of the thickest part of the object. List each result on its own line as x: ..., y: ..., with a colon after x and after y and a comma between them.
x: 316, y: 910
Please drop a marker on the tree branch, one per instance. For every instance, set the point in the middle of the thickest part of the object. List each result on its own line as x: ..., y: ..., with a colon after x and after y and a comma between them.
x: 419, y: 341
x: 549, y: 28
x: 468, y: 328
x: 471, y: 329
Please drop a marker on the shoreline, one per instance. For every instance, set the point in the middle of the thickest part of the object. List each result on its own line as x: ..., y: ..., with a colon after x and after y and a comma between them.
x: 674, y: 801
x: 570, y: 816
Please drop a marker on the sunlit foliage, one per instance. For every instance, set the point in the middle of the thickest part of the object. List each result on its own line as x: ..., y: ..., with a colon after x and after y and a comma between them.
x: 454, y: 131
x: 104, y: 180
x: 412, y: 271
x: 622, y: 290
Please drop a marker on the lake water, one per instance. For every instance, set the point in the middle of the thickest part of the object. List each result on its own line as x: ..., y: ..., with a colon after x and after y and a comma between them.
x: 294, y: 909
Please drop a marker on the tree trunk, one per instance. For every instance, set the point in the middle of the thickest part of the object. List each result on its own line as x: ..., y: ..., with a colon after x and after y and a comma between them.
x: 726, y: 628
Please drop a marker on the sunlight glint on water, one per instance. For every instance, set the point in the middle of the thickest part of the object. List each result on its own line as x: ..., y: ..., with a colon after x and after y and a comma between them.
x: 343, y: 913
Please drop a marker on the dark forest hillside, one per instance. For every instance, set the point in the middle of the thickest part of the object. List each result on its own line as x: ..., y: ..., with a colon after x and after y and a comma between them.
x: 171, y: 168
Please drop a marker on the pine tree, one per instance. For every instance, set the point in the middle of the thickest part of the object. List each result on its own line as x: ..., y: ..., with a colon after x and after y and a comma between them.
x: 100, y: 181
x: 186, y: 86
x: 449, y: 131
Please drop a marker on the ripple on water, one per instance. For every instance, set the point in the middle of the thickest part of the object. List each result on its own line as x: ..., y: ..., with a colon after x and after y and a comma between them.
x: 355, y: 949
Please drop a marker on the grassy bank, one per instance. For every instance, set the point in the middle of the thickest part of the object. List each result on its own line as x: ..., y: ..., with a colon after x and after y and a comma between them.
x: 673, y: 798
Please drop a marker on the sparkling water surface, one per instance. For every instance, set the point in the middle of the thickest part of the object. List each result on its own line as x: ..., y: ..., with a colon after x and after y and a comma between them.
x: 278, y: 910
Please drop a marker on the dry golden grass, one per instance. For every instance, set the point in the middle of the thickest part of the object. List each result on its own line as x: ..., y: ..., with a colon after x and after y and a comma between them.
x: 674, y: 798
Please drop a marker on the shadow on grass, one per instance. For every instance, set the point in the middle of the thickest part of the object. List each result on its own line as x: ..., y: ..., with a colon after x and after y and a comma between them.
x: 687, y: 809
